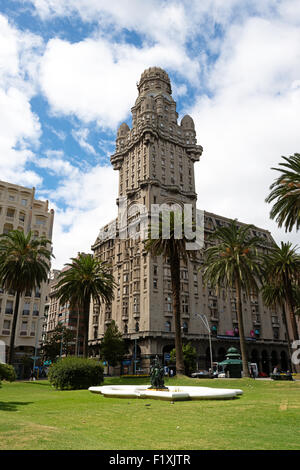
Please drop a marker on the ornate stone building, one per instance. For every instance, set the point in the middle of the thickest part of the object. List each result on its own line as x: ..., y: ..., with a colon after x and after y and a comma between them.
x: 155, y: 160
x: 20, y: 210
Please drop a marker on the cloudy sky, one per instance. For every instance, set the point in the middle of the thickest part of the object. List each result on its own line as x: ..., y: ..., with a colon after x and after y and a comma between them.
x: 68, y: 73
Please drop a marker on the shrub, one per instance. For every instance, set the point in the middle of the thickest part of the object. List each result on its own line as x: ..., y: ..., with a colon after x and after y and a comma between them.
x: 74, y: 373
x: 7, y: 372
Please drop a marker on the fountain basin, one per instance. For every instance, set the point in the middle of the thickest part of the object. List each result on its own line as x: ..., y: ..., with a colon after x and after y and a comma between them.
x: 173, y: 393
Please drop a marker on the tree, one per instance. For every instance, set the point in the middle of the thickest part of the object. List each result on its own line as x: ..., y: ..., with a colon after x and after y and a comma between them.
x: 282, y: 272
x: 274, y: 295
x: 112, y: 347
x: 286, y: 191
x: 7, y: 372
x: 24, y: 265
x: 83, y: 280
x: 189, y: 357
x: 58, y: 343
x: 172, y: 246
x: 233, y: 262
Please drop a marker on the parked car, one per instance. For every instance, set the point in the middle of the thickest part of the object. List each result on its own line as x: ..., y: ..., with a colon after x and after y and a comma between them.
x: 201, y: 374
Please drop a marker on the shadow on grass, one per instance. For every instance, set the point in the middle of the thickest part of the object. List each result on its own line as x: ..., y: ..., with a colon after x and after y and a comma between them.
x: 32, y: 382
x: 13, y: 405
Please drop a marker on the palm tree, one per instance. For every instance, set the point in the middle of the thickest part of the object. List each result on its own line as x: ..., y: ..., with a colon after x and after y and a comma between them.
x: 83, y: 280
x: 282, y: 270
x: 286, y: 189
x: 174, y: 249
x: 24, y: 265
x: 233, y: 262
x: 273, y: 295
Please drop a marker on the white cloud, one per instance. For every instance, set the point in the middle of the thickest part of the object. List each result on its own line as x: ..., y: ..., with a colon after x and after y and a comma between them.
x: 95, y: 80
x: 81, y: 135
x: 20, y: 127
x: 161, y: 21
x: 90, y: 202
x: 250, y: 121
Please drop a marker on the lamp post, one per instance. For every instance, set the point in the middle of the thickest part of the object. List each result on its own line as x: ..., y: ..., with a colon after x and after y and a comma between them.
x: 135, y: 348
x: 206, y: 324
x: 36, y: 341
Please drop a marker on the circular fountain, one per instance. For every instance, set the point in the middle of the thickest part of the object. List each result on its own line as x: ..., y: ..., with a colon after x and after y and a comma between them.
x: 158, y: 390
x: 173, y: 393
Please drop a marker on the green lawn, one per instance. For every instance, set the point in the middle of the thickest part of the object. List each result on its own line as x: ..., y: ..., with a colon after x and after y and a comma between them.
x: 33, y: 415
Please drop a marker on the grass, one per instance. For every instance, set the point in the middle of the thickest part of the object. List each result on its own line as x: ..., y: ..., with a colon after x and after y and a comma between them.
x: 34, y: 416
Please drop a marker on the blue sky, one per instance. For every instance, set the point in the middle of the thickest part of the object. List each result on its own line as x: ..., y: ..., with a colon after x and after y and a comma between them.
x: 68, y: 73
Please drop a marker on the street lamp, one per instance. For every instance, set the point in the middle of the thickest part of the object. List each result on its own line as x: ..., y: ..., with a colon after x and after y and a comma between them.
x: 206, y: 324
x: 36, y: 340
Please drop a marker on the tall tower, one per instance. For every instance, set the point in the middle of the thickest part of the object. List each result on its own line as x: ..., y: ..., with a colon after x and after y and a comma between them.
x: 155, y: 160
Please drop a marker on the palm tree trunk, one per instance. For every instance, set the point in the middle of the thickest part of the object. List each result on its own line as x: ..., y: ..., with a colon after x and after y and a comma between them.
x: 175, y: 279
x: 77, y: 333
x: 13, y: 329
x: 288, y: 338
x: 86, y: 314
x: 241, y: 328
x: 290, y: 302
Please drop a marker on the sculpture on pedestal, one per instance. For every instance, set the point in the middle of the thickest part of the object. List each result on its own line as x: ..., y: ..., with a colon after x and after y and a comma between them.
x: 157, y: 376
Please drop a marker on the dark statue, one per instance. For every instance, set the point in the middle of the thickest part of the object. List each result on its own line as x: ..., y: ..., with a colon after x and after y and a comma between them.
x: 157, y: 375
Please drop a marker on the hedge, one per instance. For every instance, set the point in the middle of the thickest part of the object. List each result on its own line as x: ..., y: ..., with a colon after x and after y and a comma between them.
x: 7, y: 372
x: 74, y: 373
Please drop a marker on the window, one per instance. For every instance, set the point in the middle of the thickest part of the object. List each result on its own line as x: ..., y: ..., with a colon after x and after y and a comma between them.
x: 37, y: 292
x: 155, y: 283
x: 6, y: 327
x: 168, y: 304
x: 168, y: 326
x: 32, y: 331
x: 24, y: 202
x: 23, y: 331
x: 10, y: 213
x: 185, y: 305
x: 9, y: 307
x: 185, y: 327
x: 40, y: 221
x: 26, y: 308
x: 276, y: 333
x: 6, y: 324
x: 35, y: 311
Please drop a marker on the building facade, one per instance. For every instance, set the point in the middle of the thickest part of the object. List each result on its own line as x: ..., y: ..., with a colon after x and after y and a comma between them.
x: 20, y: 210
x: 155, y: 160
